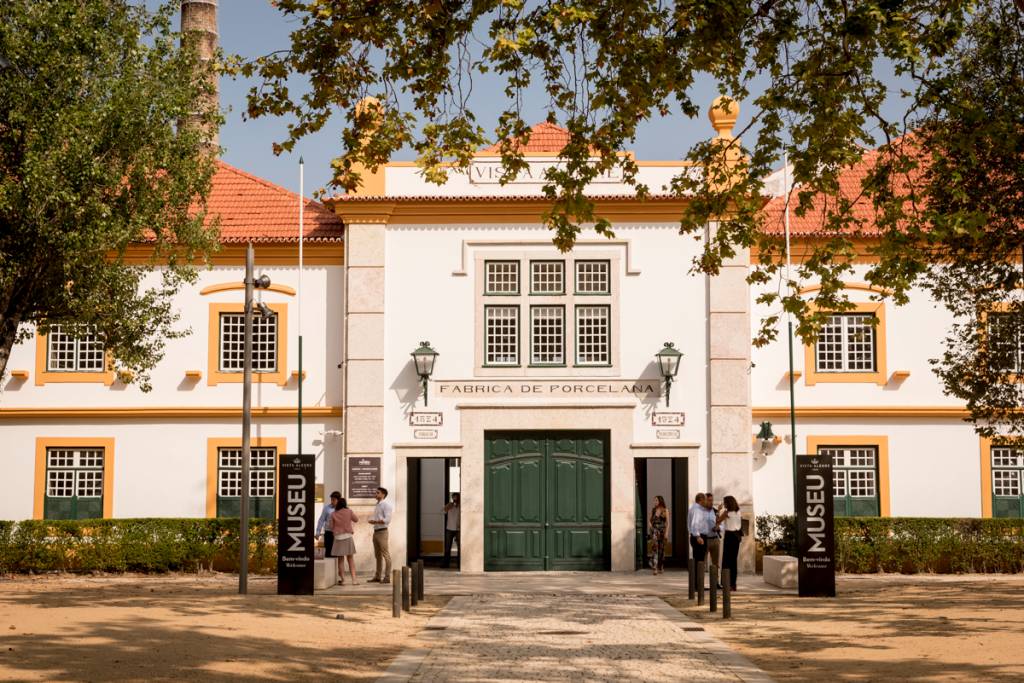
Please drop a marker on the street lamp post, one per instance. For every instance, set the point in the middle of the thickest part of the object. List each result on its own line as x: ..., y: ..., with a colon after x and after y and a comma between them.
x: 251, y: 283
x: 668, y: 362
x: 424, y: 358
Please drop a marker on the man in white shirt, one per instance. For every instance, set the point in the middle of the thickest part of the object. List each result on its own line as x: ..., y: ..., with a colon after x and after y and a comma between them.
x: 380, y: 520
x: 696, y: 524
x: 452, y: 526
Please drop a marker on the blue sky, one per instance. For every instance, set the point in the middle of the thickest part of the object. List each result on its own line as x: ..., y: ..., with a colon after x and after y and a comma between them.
x: 253, y: 27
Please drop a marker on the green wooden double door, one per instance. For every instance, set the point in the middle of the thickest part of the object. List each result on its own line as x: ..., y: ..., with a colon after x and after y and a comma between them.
x: 546, y: 501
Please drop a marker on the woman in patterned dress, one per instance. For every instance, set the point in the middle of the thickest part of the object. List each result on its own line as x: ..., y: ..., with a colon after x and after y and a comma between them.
x: 659, y: 532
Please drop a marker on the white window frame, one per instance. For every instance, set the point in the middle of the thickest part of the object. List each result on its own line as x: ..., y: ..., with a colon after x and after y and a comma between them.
x: 537, y: 268
x: 848, y: 461
x: 845, y: 341
x: 495, y: 272
x: 262, y: 471
x: 78, y: 470
x: 1007, y: 470
x: 491, y: 352
x: 580, y: 342
x: 551, y: 353
x: 82, y: 350
x: 263, y: 348
x: 580, y: 275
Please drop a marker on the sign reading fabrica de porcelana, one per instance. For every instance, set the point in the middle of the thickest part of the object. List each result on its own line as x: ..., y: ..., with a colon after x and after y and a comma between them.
x: 610, y: 388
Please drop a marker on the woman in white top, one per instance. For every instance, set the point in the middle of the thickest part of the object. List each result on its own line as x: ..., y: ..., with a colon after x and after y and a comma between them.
x: 730, y: 521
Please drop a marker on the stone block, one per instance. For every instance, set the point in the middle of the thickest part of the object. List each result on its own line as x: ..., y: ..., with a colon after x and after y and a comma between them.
x: 366, y: 290
x: 730, y: 336
x: 730, y: 382
x: 781, y: 570
x: 730, y: 430
x: 325, y: 573
x: 366, y: 336
x: 365, y: 244
x: 365, y: 430
x: 366, y: 383
x: 729, y: 291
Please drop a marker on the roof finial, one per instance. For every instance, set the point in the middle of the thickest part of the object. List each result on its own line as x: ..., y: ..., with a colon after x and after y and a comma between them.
x: 723, y: 114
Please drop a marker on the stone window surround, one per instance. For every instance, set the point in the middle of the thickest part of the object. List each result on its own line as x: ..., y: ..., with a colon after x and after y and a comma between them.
x: 524, y: 254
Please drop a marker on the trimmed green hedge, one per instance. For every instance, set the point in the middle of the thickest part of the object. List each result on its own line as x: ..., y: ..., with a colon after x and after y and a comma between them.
x: 133, y: 545
x: 910, y: 545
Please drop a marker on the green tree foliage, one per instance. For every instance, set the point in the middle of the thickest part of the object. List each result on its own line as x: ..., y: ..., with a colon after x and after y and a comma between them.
x: 92, y: 161
x: 943, y: 188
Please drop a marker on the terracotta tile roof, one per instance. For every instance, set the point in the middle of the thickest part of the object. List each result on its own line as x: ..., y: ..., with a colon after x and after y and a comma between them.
x: 544, y: 137
x: 256, y: 210
x: 812, y: 223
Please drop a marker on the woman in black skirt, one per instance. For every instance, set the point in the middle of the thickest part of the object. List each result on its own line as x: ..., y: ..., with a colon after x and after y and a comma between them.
x: 731, y: 523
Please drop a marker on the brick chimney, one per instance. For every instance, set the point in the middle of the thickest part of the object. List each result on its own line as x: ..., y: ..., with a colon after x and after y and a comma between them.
x: 199, y: 23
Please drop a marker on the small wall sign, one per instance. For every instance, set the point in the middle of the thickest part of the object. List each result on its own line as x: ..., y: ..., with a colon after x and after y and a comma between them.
x: 426, y: 419
x: 668, y: 419
x: 668, y: 433
x: 363, y: 476
x: 424, y: 434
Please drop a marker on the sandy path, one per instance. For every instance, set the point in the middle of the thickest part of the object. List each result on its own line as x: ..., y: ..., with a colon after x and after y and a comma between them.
x: 882, y: 629
x: 194, y: 628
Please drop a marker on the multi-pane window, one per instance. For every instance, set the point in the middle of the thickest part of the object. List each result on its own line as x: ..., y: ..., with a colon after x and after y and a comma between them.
x: 1004, y: 340
x: 74, y: 483
x: 1007, y: 477
x: 855, y: 479
x: 67, y: 353
x: 262, y: 481
x: 593, y: 335
x: 501, y: 330
x: 547, y: 335
x: 501, y: 277
x: 593, y: 277
x: 846, y: 344
x: 547, y: 277
x: 232, y: 343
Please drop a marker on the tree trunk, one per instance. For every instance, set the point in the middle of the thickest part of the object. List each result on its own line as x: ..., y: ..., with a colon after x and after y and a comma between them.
x: 8, y: 334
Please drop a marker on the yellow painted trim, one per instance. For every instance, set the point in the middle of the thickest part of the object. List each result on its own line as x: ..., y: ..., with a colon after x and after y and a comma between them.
x: 194, y: 374
x: 880, y: 442
x: 862, y: 411
x: 90, y: 412
x: 880, y: 376
x: 228, y: 286
x: 526, y: 210
x: 44, y: 442
x: 314, y: 254
x: 213, y: 374
x: 862, y: 286
x: 44, y: 376
x: 985, y: 447
x: 20, y: 374
x: 212, y: 444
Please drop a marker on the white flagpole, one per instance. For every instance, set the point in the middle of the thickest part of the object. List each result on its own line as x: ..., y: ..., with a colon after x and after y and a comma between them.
x: 299, y: 290
x: 789, y: 283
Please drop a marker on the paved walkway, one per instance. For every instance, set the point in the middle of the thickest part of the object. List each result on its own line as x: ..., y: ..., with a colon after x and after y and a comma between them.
x: 570, y: 636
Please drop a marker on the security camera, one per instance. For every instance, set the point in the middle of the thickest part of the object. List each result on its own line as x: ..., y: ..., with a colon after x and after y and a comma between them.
x: 332, y: 432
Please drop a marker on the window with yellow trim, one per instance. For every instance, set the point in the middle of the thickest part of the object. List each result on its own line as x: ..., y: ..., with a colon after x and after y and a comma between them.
x: 74, y: 478
x: 227, y: 344
x: 63, y: 355
x: 850, y: 347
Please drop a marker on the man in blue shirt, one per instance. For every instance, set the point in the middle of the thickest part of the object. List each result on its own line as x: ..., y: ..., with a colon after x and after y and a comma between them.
x: 325, y: 515
x: 697, y: 524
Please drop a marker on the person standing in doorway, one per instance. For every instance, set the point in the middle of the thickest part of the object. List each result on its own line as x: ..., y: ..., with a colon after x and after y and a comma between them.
x: 325, y: 516
x: 714, y: 538
x: 381, y: 520
x: 732, y: 525
x: 452, y: 526
x: 344, y: 545
x: 659, y: 532
x: 697, y: 525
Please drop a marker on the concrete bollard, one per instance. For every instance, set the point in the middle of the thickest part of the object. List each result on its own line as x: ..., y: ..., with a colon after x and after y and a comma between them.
x: 713, y: 587
x: 691, y: 570
x: 419, y: 568
x: 396, y: 593
x: 699, y: 579
x: 406, y: 604
x: 414, y: 589
x: 726, y: 594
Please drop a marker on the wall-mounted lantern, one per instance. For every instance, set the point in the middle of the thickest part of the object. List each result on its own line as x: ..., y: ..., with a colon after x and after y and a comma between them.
x: 424, y: 358
x: 766, y: 436
x: 668, y: 361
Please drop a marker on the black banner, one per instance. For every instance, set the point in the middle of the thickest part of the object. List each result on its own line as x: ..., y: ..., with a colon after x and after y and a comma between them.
x: 363, y: 476
x: 296, y: 478
x: 815, y: 531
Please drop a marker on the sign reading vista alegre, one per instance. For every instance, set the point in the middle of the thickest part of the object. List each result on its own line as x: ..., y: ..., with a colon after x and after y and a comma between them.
x: 490, y: 172
x: 567, y: 388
